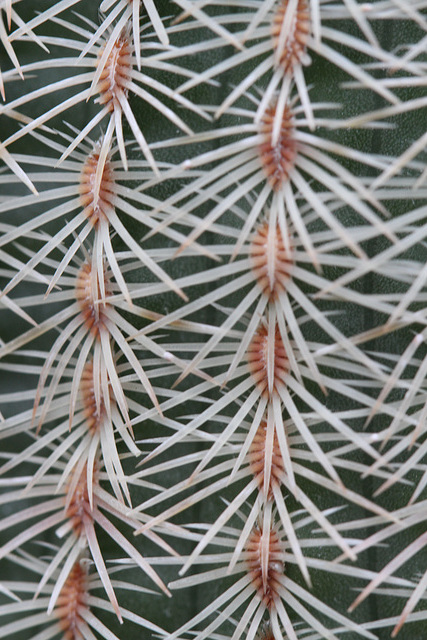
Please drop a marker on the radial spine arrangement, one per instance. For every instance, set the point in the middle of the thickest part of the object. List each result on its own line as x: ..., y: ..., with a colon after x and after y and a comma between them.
x: 213, y: 319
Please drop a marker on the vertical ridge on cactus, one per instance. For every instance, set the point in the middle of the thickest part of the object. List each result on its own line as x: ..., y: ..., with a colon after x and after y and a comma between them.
x: 209, y: 302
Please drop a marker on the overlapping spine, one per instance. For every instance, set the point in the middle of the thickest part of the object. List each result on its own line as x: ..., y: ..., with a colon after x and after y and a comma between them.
x: 207, y: 286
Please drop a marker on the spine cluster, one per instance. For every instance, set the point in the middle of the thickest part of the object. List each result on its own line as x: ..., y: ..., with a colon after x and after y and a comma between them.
x: 212, y: 245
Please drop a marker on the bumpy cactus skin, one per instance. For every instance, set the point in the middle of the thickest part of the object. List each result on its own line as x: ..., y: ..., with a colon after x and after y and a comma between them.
x: 212, y: 315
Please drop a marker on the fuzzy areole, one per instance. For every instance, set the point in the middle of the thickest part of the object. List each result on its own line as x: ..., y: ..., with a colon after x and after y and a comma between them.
x: 213, y: 348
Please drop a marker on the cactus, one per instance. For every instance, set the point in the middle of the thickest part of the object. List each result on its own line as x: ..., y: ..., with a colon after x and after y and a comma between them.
x: 212, y: 319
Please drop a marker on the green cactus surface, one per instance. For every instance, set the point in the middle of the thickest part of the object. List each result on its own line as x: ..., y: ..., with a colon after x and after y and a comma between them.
x: 213, y: 222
